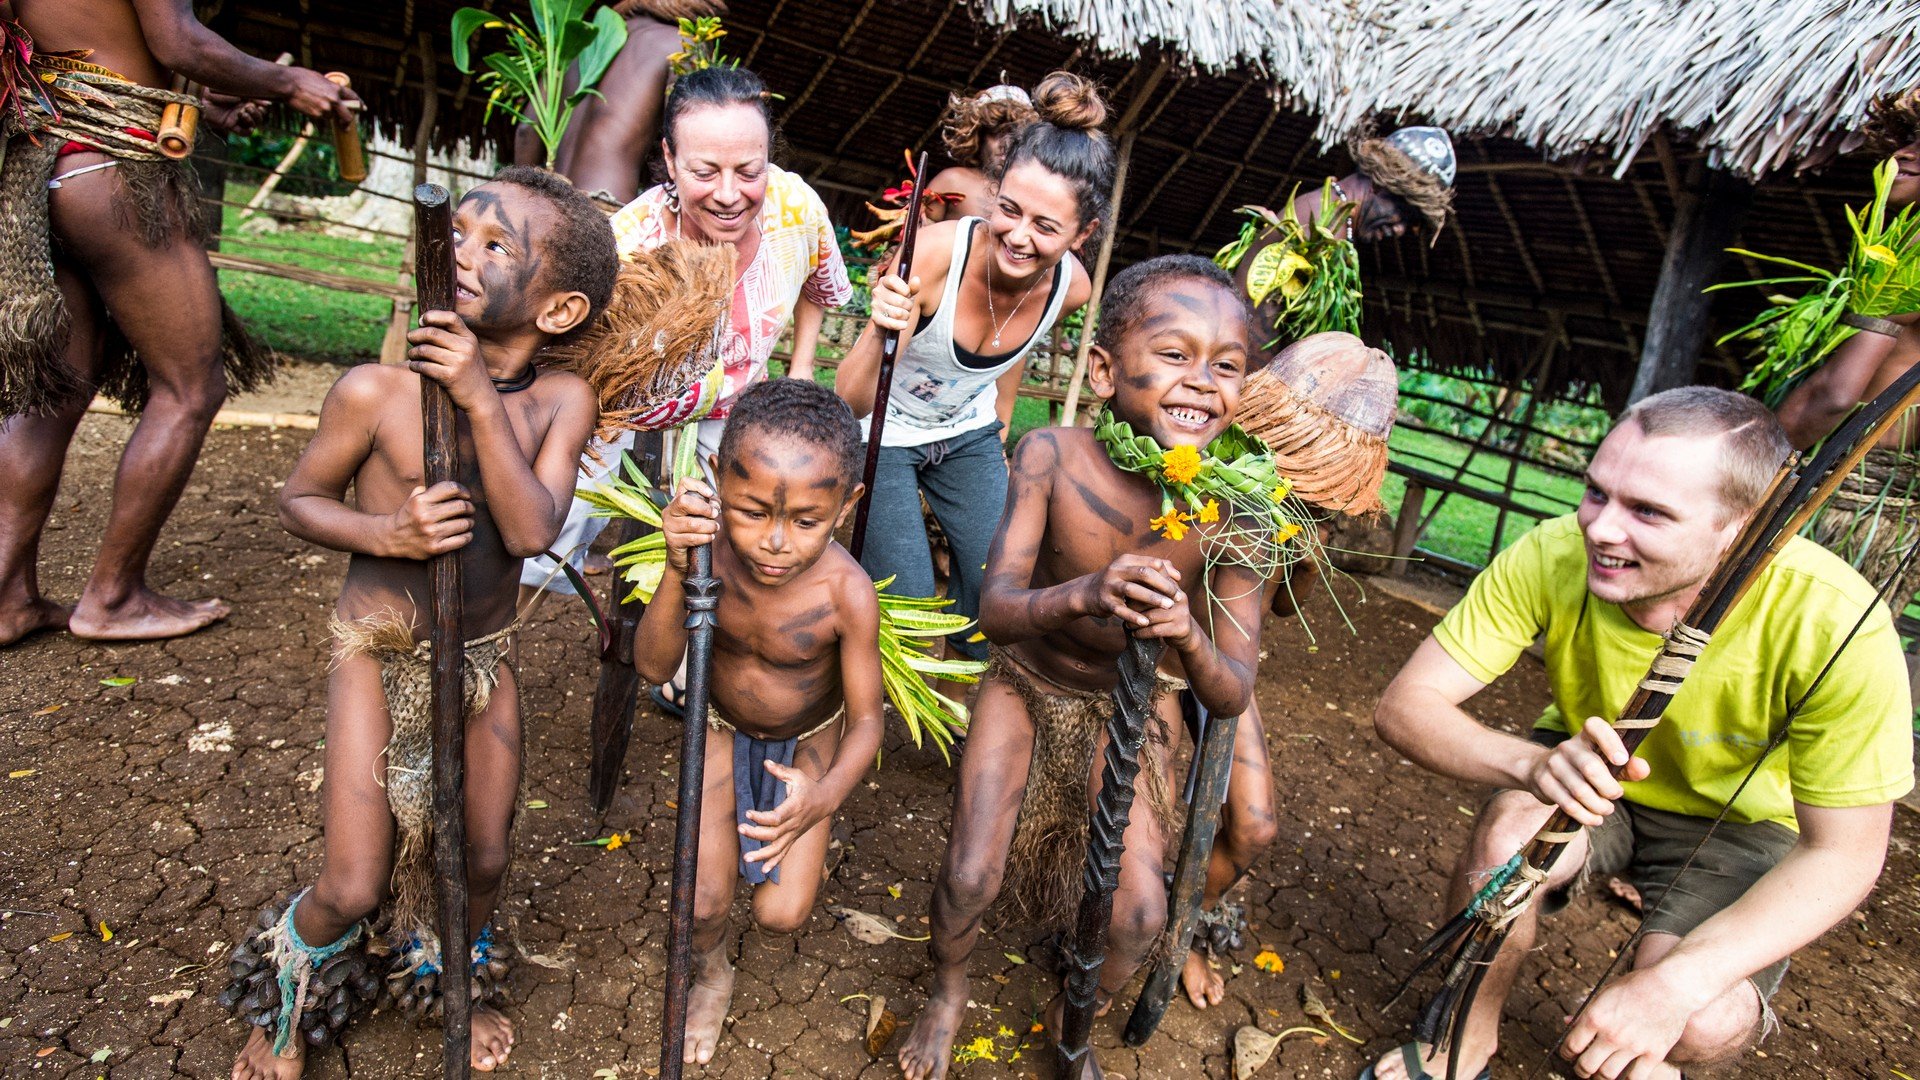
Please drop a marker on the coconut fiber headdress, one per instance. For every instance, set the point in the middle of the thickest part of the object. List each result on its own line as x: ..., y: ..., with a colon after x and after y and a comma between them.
x: 1416, y: 164
x: 653, y: 358
x: 1325, y: 407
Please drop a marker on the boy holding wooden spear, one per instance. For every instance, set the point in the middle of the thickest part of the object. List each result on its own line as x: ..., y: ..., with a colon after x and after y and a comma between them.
x: 1094, y: 545
x: 534, y: 264
x: 796, y: 679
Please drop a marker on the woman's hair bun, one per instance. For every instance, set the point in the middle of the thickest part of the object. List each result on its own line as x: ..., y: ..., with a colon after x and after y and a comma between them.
x: 1069, y: 101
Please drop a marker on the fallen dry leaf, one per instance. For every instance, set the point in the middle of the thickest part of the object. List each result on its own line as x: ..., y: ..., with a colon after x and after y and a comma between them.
x: 1253, y: 1047
x: 61, y: 936
x: 170, y: 997
x: 105, y: 933
x: 547, y: 962
x: 871, y: 929
x: 881, y: 1024
x: 1316, y: 1009
x: 50, y: 710
x: 21, y: 774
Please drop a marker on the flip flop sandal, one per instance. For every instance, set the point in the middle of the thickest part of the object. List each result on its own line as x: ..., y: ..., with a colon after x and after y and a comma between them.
x: 666, y: 704
x: 1410, y: 1056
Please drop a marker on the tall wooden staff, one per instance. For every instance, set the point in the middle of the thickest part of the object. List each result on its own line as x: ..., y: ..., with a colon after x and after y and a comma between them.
x: 433, y: 282
x: 889, y: 351
x: 619, y: 686
x: 1126, y: 732
x: 703, y: 595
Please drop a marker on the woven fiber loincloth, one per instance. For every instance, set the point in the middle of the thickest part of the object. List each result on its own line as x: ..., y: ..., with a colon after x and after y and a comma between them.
x: 1873, y: 518
x: 406, y: 678
x: 154, y: 197
x: 1049, y: 846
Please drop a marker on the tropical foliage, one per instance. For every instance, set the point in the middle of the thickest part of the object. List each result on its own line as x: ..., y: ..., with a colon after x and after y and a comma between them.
x: 529, y: 80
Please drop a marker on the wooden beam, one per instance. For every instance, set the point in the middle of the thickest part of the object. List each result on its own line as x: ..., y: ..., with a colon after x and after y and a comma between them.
x: 1704, y: 224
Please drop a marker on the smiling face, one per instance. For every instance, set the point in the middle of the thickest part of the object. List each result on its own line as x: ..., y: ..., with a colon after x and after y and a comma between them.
x: 1176, y: 370
x: 1905, y: 190
x: 497, y: 259
x: 780, y: 500
x: 718, y: 164
x: 1035, y: 222
x: 1655, y: 520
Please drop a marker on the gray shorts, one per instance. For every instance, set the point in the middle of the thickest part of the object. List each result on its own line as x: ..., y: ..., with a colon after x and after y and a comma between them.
x: 1646, y: 848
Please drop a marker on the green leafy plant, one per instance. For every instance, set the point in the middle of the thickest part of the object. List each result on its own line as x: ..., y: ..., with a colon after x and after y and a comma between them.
x: 1311, y: 268
x: 699, y: 46
x: 528, y: 81
x: 1881, y: 278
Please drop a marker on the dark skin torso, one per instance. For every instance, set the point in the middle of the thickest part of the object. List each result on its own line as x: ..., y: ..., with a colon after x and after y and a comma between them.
x: 776, y: 651
x: 611, y: 138
x: 111, y: 28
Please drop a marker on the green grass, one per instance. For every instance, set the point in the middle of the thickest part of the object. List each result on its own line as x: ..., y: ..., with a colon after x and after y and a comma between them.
x: 1463, y: 529
x: 305, y: 320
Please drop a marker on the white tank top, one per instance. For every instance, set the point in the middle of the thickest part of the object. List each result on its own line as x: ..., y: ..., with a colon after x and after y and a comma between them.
x: 934, y: 395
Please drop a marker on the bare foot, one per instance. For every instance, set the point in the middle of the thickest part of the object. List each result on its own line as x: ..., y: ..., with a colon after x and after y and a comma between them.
x: 17, y: 624
x: 1395, y: 1066
x: 257, y: 1061
x: 929, y: 1049
x: 1204, y: 985
x: 144, y: 615
x: 492, y: 1038
x: 1624, y: 893
x: 707, y: 1006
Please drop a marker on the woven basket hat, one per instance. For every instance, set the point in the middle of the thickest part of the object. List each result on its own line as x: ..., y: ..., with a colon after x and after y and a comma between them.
x: 1325, y: 407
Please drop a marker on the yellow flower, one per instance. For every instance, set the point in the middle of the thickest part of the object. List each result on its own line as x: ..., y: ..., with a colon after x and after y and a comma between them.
x: 1280, y: 492
x: 1268, y: 960
x: 1880, y: 253
x: 1171, y: 525
x: 1181, y: 464
x: 615, y: 841
x: 1209, y: 513
x: 980, y: 1049
x: 1286, y: 533
x: 1005, y: 1032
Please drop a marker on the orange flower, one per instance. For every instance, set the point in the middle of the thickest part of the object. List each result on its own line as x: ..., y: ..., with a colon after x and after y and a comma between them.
x: 615, y: 842
x: 1181, y: 464
x: 1172, y: 525
x: 1209, y: 513
x: 1286, y: 533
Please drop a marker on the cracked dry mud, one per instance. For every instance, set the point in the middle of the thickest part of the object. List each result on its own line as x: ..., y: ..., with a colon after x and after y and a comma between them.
x: 171, y: 808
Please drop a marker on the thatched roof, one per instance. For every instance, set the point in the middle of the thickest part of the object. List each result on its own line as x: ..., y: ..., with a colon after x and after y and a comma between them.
x: 1563, y: 202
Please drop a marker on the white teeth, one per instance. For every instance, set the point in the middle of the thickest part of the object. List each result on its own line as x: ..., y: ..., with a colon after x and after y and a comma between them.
x: 1189, y: 416
x: 1611, y: 563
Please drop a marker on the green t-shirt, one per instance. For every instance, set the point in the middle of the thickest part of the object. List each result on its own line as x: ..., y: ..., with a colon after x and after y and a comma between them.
x: 1851, y: 744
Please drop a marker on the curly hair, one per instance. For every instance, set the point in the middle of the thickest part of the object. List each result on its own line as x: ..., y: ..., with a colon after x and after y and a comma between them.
x: 1066, y: 140
x: 796, y: 410
x: 580, y: 253
x: 970, y: 121
x: 1393, y: 172
x: 671, y: 10
x: 1893, y: 121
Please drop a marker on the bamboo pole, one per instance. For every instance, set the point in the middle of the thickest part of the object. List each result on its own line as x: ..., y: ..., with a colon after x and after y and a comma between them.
x: 703, y: 596
x: 619, y: 686
x: 433, y: 229
x: 889, y: 352
x: 273, y: 179
x: 1100, y: 264
x: 393, y: 345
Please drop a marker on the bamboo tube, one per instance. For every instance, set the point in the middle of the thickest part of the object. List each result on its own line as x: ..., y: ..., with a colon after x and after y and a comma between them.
x: 349, y: 155
x: 179, y: 122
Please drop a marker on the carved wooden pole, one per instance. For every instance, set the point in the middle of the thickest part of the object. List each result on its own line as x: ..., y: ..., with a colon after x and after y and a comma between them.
x: 433, y: 282
x: 703, y: 595
x: 889, y: 351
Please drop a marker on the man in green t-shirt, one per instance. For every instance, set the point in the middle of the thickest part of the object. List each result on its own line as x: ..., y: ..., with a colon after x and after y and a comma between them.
x: 1667, y: 492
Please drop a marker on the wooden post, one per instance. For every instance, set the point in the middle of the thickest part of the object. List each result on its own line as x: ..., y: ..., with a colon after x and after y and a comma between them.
x: 1704, y: 224
x: 619, y: 686
x: 703, y: 596
x: 433, y: 237
x: 1406, y: 527
x: 883, y: 389
x: 393, y: 346
x: 273, y: 179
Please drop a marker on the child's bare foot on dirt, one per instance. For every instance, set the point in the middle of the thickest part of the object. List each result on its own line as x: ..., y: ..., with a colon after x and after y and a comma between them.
x: 20, y: 623
x: 1203, y: 984
x: 1624, y: 893
x: 492, y: 1038
x: 257, y: 1061
x: 707, y: 1006
x: 929, y: 1047
x: 144, y: 615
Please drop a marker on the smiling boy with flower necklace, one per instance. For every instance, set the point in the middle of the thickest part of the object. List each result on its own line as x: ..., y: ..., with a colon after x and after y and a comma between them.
x: 1102, y: 534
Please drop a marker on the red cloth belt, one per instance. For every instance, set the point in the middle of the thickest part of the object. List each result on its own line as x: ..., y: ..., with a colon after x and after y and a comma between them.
x: 74, y: 147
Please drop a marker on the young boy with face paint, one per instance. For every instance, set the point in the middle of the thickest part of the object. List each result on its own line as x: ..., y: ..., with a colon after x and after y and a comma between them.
x: 1074, y: 566
x: 796, y: 686
x: 534, y: 262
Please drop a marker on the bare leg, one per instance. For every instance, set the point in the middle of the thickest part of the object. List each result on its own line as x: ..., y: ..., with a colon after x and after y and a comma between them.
x: 1509, y: 821
x: 986, y: 802
x: 1247, y: 829
x: 167, y: 304
x: 493, y: 786
x: 358, y: 838
x: 712, y: 991
x: 32, y: 451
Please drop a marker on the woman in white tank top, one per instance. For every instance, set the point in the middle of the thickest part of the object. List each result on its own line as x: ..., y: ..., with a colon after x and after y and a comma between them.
x: 984, y: 291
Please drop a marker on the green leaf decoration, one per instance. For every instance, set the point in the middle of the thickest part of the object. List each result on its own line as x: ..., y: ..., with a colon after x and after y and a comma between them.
x: 466, y: 22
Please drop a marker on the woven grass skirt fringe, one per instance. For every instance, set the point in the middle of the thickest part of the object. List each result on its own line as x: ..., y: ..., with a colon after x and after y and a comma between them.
x: 1874, y: 518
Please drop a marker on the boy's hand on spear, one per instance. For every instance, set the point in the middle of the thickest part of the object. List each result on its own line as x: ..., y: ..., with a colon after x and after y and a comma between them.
x: 1131, y: 586
x: 446, y: 351
x: 778, y: 828
x: 691, y: 520
x: 1578, y: 775
x: 433, y: 521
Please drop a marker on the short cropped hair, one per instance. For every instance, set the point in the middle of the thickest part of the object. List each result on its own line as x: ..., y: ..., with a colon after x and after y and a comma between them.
x: 579, y: 254
x: 795, y: 409
x: 1127, y: 293
x: 1752, y: 442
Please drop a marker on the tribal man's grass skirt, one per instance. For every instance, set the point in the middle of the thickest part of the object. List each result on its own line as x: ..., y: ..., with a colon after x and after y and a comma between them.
x: 1873, y: 519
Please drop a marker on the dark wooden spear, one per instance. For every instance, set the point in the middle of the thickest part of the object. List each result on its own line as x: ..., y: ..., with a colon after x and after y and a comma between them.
x: 433, y: 283
x: 1470, y: 942
x: 1106, y: 842
x: 703, y: 595
x: 889, y: 352
x: 1213, y: 763
x: 617, y: 691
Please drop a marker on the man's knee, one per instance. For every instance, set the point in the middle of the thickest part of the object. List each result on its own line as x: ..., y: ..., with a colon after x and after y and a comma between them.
x: 198, y: 392
x: 1251, y: 831
x: 1508, y: 821
x: 970, y: 887
x: 1139, y: 917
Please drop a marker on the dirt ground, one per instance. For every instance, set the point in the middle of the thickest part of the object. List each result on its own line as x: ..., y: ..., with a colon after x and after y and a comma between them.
x: 167, y: 809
